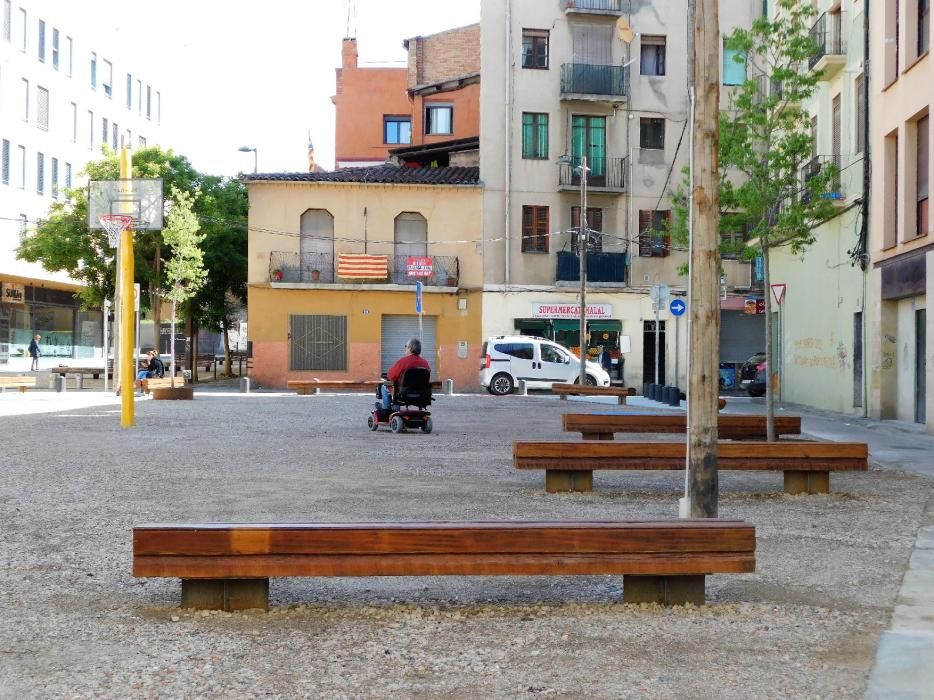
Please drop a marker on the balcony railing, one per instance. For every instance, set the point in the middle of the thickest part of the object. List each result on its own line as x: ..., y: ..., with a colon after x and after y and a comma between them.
x: 827, y: 37
x: 585, y: 79
x: 608, y: 6
x: 321, y: 268
x: 601, y: 267
x: 607, y: 173
x: 813, y: 168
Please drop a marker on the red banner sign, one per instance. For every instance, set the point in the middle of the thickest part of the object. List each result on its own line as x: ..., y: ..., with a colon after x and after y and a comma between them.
x: 419, y: 266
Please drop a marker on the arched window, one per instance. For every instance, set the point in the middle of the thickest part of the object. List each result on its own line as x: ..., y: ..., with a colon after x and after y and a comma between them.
x: 410, y: 234
x: 316, y: 245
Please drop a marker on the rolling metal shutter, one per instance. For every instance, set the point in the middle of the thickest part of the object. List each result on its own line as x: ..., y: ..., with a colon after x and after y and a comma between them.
x: 397, y: 330
x: 741, y: 335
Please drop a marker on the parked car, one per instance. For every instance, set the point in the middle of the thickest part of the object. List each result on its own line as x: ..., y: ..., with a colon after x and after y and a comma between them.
x: 506, y: 359
x: 753, y: 375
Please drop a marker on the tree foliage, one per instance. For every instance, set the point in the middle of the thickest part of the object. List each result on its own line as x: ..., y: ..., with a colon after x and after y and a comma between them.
x: 184, y: 271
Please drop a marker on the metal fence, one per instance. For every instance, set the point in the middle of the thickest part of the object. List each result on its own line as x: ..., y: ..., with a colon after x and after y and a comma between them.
x: 827, y: 37
x: 321, y: 268
x: 608, y: 5
x: 609, y: 173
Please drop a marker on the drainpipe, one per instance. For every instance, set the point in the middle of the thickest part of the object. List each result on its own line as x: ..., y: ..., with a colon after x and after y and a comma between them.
x: 508, y: 238
x: 867, y: 187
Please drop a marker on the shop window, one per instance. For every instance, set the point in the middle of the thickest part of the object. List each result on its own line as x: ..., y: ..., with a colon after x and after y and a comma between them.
x: 535, y: 233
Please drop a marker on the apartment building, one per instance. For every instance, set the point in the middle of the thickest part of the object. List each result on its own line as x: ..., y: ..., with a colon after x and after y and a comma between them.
x: 435, y: 100
x: 821, y: 323
x: 902, y: 250
x: 606, y: 80
x: 63, y: 96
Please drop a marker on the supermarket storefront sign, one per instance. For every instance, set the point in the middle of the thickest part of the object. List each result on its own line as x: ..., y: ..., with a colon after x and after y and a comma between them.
x: 540, y: 310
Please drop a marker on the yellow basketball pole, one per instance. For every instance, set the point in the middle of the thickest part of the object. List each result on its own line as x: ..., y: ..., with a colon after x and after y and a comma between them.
x: 127, y: 360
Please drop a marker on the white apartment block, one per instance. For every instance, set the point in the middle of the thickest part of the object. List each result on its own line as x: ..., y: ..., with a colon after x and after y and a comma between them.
x: 566, y: 78
x: 63, y: 97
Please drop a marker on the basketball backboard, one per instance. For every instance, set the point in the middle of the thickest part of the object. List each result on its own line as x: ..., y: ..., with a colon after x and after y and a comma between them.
x: 139, y: 198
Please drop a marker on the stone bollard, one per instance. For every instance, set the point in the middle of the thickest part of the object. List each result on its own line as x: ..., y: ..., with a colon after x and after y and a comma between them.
x: 523, y: 389
x: 244, y: 385
x: 60, y: 385
x: 449, y: 387
x: 79, y: 382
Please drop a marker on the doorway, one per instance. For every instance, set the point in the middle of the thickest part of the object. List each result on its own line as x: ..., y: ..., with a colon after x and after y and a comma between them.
x: 858, y: 359
x: 920, y: 369
x: 648, y: 352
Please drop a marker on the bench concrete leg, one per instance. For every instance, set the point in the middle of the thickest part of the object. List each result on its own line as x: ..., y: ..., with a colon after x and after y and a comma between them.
x: 667, y: 590
x: 797, y: 482
x: 622, y: 400
x: 79, y: 381
x: 563, y: 397
x: 597, y: 436
x: 225, y: 594
x: 559, y: 480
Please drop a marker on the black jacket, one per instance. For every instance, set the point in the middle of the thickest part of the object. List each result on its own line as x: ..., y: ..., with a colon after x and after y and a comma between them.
x: 34, y: 348
x: 156, y: 367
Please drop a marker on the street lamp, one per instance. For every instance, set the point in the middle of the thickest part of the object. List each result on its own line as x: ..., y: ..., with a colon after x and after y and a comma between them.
x: 583, y: 237
x: 247, y: 149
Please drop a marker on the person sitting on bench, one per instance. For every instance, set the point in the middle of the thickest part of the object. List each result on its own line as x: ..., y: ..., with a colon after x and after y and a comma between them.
x: 155, y: 368
x: 412, y: 358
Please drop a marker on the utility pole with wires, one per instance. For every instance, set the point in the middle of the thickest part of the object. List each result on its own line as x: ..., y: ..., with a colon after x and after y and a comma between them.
x: 704, y: 294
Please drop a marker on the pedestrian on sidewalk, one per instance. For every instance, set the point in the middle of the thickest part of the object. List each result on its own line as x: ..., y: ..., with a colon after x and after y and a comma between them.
x: 35, y: 352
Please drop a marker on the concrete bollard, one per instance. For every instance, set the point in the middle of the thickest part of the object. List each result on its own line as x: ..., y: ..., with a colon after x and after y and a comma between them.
x: 60, y: 385
x: 523, y: 389
x: 244, y: 385
x: 449, y: 387
x: 79, y: 382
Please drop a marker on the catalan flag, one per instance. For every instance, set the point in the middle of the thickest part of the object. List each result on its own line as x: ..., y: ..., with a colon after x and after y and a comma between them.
x: 362, y: 267
x: 311, y: 155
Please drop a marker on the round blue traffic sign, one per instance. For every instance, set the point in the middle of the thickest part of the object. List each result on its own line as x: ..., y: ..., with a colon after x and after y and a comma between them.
x: 677, y: 307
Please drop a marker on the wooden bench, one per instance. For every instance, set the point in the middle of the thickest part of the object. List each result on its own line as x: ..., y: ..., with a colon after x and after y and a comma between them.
x: 602, y: 426
x: 21, y: 383
x: 314, y: 386
x: 569, y: 466
x: 147, y: 385
x: 565, y: 390
x: 226, y: 566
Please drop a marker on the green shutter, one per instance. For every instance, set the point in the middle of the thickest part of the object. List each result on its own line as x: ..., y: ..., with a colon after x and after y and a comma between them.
x: 527, y: 135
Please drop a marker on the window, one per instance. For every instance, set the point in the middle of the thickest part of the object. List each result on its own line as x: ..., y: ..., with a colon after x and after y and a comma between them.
x: 410, y: 234
x: 924, y: 26
x: 54, y: 178
x: 25, y: 86
x: 734, y: 66
x: 317, y: 342
x: 7, y: 20
x: 23, y: 223
x: 652, y: 133
x: 397, y: 129
x: 116, y: 135
x: 141, y: 142
x: 439, y: 119
x: 71, y: 55
x: 41, y: 43
x: 90, y: 129
x: 68, y: 175
x: 551, y: 354
x: 534, y: 135
x: 93, y: 71
x: 521, y: 351
x: 924, y: 139
x: 158, y: 107
x: 535, y: 234
x: 588, y: 138
x: 105, y: 131
x: 129, y: 139
x: 55, y: 51
x: 139, y: 97
x: 653, y: 55
x: 654, y: 234
x: 5, y: 162
x: 22, y: 167
x: 40, y: 173
x: 108, y: 79
x: 42, y: 108
x: 859, y: 86
x: 535, y: 48
x: 23, y: 27
x: 594, y: 226
x: 129, y: 91
x: 74, y: 123
x: 148, y: 102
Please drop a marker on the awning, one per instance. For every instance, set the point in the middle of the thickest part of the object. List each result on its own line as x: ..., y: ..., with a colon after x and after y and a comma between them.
x: 615, y: 326
x: 563, y: 324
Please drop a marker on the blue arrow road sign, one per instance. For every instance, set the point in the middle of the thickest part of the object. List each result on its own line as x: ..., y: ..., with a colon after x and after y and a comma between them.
x: 418, y: 297
x: 677, y: 307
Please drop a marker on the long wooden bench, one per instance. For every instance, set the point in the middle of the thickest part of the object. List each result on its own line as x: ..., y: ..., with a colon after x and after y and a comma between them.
x: 147, y: 385
x: 565, y: 390
x: 21, y: 383
x: 569, y: 466
x: 227, y: 566
x: 602, y: 426
x: 314, y: 386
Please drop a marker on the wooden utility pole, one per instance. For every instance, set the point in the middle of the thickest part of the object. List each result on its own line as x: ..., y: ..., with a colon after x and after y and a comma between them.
x: 704, y: 300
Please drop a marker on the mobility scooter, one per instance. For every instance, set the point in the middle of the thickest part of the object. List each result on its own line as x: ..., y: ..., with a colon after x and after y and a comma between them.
x: 408, y: 405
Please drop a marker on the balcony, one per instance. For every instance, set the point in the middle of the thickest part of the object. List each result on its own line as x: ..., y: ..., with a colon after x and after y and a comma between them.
x: 769, y: 88
x: 830, y: 48
x: 602, y: 268
x: 287, y: 267
x: 589, y: 8
x: 607, y: 175
x: 589, y: 83
x: 813, y: 168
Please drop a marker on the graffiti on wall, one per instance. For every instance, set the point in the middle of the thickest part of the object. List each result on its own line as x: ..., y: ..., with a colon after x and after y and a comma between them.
x: 815, y: 353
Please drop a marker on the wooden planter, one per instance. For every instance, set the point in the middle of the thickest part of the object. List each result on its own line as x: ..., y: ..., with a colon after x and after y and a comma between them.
x: 179, y: 393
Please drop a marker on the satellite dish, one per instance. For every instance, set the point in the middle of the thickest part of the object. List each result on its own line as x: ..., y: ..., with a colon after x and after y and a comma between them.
x: 624, y: 31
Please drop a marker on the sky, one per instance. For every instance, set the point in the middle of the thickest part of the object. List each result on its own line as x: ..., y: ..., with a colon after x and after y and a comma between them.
x: 257, y: 74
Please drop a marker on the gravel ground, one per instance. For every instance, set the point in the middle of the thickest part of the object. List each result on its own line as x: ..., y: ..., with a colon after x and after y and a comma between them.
x: 76, y: 624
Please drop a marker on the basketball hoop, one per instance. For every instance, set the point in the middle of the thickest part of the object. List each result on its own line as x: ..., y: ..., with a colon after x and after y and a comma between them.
x: 114, y: 225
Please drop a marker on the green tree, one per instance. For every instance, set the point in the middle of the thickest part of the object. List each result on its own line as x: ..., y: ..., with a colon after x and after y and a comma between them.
x: 772, y: 186
x: 184, y: 271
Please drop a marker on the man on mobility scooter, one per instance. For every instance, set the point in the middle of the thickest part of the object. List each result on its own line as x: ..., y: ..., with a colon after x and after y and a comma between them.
x: 410, y: 381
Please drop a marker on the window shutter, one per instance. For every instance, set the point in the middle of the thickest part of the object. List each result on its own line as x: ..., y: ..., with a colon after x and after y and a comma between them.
x: 541, y: 243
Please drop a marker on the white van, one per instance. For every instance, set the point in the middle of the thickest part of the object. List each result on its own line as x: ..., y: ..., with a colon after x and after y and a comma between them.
x: 506, y: 359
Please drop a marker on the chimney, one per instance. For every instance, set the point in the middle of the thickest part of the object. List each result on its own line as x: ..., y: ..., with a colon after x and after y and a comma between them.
x: 349, y: 53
